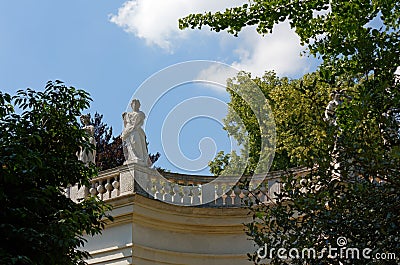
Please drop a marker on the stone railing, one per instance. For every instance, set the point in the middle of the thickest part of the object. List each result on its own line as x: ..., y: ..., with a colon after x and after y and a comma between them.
x: 179, y: 189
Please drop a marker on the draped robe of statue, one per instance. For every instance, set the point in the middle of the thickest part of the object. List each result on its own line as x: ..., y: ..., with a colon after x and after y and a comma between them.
x: 330, y: 111
x: 86, y: 155
x: 134, y: 137
x: 331, y: 118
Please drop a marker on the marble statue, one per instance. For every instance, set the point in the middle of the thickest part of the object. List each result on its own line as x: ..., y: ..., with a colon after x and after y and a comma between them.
x: 337, y: 97
x: 330, y: 111
x: 134, y: 137
x: 86, y: 155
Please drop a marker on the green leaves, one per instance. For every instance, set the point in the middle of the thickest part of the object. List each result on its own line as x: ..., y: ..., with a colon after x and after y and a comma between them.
x: 298, y: 107
x: 362, y: 201
x: 39, y: 224
x: 342, y: 32
x: 353, y: 188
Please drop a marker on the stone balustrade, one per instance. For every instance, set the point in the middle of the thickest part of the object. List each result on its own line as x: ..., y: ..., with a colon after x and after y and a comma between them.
x: 106, y: 186
x: 179, y: 189
x: 223, y: 191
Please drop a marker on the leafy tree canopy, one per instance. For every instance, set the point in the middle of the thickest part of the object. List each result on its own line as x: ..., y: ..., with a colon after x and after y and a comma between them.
x: 109, y: 151
x: 352, y: 189
x: 351, y: 37
x: 38, y: 146
x: 298, y: 107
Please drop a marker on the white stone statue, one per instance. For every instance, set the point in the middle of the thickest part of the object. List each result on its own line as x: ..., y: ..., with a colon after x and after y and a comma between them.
x: 337, y: 98
x: 330, y: 111
x: 134, y: 137
x: 86, y: 155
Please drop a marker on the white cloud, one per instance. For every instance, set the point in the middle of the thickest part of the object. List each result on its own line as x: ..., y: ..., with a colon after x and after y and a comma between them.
x: 217, y: 74
x: 156, y: 21
x: 279, y: 51
x: 143, y: 20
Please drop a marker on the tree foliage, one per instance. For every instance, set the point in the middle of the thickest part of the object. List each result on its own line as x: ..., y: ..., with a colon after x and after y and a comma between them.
x: 109, y: 151
x: 38, y: 146
x: 251, y: 123
x: 356, y: 37
x: 298, y: 108
x: 352, y: 189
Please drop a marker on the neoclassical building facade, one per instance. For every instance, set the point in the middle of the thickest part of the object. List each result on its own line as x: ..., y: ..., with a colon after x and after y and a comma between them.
x: 164, y: 221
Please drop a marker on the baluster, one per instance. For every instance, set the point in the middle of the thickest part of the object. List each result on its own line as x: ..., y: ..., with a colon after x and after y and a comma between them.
x: 177, y: 196
x: 229, y: 197
x: 219, y: 192
x: 115, y: 191
x: 93, y: 189
x: 186, y: 198
x: 196, y: 195
x: 108, y: 187
x: 167, y: 189
x: 246, y: 196
x: 158, y: 194
x: 237, y: 191
x: 101, y: 190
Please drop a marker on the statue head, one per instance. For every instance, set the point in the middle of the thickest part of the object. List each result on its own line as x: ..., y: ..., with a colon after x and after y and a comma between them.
x: 85, y: 119
x: 135, y: 104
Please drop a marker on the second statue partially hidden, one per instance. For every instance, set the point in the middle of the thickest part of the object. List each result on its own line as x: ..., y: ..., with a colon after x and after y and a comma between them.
x: 133, y: 136
x: 85, y: 155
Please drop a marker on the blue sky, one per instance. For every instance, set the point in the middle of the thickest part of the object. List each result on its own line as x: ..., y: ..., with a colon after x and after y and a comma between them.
x: 109, y: 48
